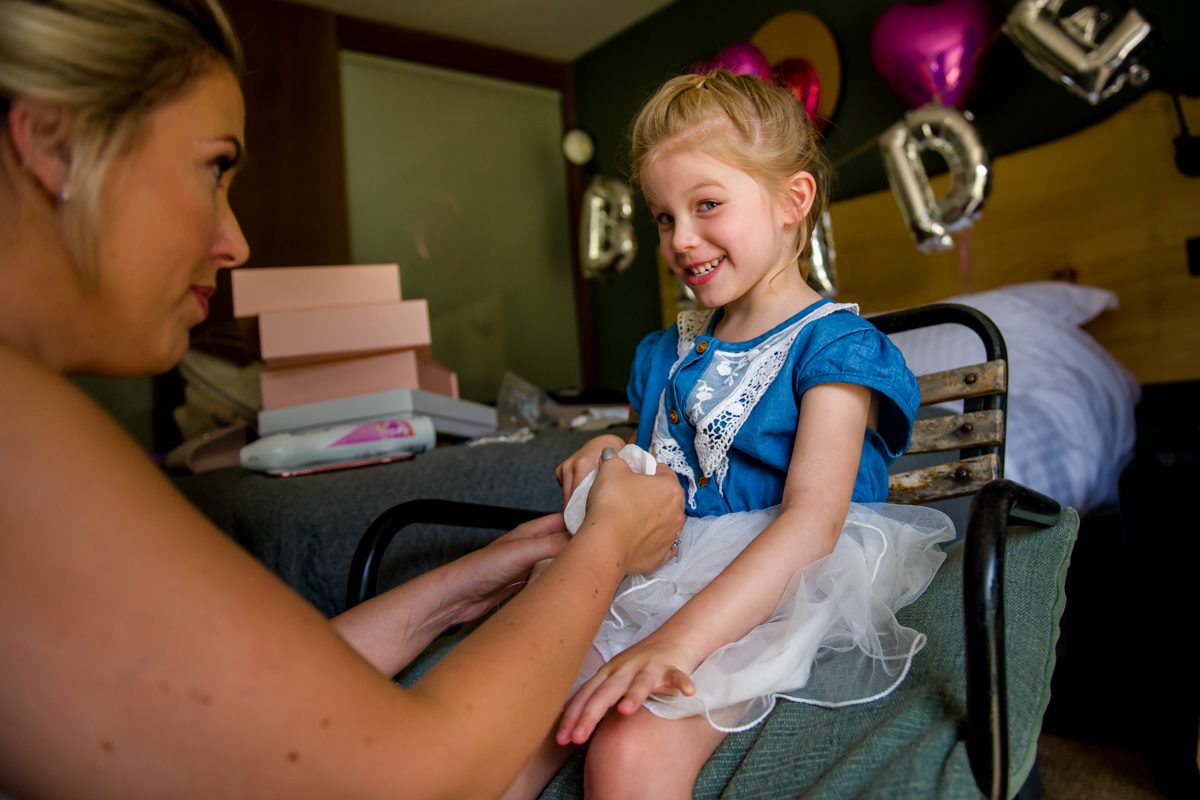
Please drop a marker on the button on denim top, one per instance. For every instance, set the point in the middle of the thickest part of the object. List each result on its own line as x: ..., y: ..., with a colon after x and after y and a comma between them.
x: 838, y: 348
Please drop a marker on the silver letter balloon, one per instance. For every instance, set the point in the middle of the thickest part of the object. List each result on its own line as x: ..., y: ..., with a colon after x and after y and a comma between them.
x: 1067, y: 50
x: 949, y: 134
x: 606, y: 237
x: 822, y: 257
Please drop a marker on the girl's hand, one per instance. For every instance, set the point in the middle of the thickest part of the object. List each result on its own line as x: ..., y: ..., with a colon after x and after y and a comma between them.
x: 572, y: 471
x: 650, y: 666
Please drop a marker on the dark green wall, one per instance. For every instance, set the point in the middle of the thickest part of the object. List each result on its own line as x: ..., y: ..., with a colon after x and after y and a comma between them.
x: 1014, y: 106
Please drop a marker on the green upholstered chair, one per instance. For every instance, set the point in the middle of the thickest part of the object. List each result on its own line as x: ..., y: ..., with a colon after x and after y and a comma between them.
x: 966, y: 719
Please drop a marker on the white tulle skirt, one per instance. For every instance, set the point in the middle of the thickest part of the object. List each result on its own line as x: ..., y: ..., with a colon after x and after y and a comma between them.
x: 833, y: 640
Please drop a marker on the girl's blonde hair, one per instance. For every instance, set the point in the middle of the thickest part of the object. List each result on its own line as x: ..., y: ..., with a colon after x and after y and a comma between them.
x: 755, y: 126
x: 109, y: 63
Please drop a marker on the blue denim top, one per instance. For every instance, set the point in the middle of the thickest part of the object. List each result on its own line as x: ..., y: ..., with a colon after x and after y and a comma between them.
x: 838, y: 348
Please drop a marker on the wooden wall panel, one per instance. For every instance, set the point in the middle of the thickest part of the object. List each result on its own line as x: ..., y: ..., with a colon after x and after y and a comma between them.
x: 1105, y: 207
x: 292, y: 194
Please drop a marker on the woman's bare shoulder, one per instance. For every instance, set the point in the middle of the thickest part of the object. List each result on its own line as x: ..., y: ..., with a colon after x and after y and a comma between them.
x: 18, y: 368
x: 51, y: 431
x: 71, y: 475
x: 40, y: 409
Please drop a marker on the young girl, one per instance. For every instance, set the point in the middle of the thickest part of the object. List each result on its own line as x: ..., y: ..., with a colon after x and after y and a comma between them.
x: 780, y: 413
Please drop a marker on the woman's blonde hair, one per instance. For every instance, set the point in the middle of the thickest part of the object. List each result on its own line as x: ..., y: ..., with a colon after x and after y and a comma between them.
x: 755, y: 126
x: 109, y: 62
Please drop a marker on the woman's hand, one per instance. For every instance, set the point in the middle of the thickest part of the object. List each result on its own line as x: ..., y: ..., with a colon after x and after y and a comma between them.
x: 480, y: 581
x: 647, y: 510
x: 572, y: 471
x: 391, y: 629
x: 650, y: 666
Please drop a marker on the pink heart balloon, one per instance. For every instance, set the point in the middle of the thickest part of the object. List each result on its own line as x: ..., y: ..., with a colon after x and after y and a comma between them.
x: 928, y: 53
x: 740, y: 58
x: 800, y: 77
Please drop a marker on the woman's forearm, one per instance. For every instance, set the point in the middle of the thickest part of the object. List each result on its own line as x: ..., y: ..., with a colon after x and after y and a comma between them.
x: 392, y: 629
x: 513, y: 673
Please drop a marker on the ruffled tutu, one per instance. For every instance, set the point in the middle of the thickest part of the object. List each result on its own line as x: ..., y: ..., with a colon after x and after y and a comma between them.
x: 833, y: 640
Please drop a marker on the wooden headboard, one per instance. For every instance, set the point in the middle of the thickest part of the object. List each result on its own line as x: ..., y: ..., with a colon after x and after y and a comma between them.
x: 1104, y: 207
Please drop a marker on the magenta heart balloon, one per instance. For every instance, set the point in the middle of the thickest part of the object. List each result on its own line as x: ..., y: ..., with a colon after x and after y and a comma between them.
x: 740, y: 58
x: 928, y: 53
x: 800, y: 77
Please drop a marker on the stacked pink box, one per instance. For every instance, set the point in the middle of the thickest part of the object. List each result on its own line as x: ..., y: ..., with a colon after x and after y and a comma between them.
x: 340, y: 331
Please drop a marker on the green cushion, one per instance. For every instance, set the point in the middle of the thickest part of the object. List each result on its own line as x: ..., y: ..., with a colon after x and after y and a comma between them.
x: 907, y: 744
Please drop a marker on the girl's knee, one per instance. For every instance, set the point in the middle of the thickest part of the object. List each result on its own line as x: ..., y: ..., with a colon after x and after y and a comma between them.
x: 626, y: 759
x: 618, y: 746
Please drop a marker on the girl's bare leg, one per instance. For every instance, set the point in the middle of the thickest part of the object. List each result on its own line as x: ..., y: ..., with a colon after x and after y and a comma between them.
x: 647, y: 756
x: 539, y: 770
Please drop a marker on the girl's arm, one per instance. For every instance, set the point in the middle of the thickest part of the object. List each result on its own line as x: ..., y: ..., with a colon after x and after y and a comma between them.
x: 146, y: 655
x: 816, y: 499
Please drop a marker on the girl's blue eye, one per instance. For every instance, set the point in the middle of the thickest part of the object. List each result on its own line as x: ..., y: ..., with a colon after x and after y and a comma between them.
x: 664, y: 219
x: 708, y: 205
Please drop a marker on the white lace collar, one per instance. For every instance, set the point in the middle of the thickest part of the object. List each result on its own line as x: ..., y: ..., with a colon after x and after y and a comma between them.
x: 733, y: 382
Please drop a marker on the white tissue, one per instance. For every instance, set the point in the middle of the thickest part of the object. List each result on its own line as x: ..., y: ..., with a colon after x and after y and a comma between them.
x: 638, y: 460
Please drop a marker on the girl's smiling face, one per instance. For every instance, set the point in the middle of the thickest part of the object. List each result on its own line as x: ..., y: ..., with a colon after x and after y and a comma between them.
x: 722, y: 232
x: 166, y: 226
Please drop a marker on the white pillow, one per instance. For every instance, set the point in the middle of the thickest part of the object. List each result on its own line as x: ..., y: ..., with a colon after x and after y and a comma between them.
x: 1068, y: 302
x: 1070, y: 406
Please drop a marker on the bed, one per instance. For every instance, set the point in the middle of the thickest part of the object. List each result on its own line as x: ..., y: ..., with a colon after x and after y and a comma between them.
x: 1071, y: 404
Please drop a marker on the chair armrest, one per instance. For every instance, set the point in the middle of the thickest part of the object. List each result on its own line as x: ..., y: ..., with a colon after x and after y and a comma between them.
x: 997, y: 504
x: 368, y: 556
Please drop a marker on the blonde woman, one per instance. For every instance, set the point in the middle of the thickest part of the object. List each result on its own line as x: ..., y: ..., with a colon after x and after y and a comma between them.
x: 144, y: 654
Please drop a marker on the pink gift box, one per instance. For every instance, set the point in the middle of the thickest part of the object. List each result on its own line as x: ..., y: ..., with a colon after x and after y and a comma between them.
x: 278, y: 288
x: 330, y: 380
x: 437, y: 378
x: 297, y: 336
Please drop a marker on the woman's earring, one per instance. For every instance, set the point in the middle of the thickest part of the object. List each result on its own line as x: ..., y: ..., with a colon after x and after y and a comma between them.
x: 63, y: 194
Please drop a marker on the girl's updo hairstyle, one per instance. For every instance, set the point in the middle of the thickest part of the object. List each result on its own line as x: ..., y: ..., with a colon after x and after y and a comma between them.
x: 110, y: 63
x: 755, y: 126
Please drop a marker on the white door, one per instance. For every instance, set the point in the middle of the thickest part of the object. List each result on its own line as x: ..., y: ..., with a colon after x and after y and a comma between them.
x: 459, y: 178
